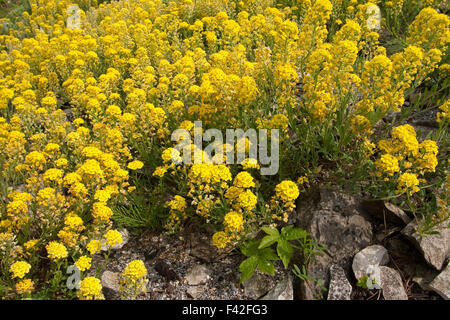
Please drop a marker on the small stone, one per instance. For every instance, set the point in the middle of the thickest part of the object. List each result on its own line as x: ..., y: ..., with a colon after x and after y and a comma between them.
x: 282, y: 291
x: 340, y: 288
x: 166, y: 270
x: 392, y: 285
x: 125, y: 237
x: 198, y: 274
x: 441, y: 284
x: 195, y: 291
x: 256, y: 286
x: 110, y: 283
x: 434, y: 247
x: 374, y: 256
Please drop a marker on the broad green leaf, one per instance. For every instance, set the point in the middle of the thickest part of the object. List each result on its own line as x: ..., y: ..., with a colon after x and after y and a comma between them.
x: 250, y: 248
x: 271, y: 231
x: 293, y: 233
x: 268, y: 254
x: 268, y: 241
x: 247, y: 268
x: 284, y: 250
x: 266, y: 266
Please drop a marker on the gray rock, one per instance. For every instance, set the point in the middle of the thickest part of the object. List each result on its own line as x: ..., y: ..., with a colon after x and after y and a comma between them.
x: 385, y: 211
x: 195, y: 291
x: 125, y: 237
x: 256, y: 286
x: 392, y: 284
x: 375, y: 255
x: 110, y: 283
x: 196, y: 275
x: 434, y: 247
x: 282, y: 291
x: 340, y: 288
x: 334, y: 219
x: 441, y: 284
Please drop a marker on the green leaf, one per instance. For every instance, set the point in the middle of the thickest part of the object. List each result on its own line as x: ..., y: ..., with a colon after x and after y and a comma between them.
x: 291, y: 233
x: 268, y: 241
x: 271, y: 231
x: 266, y: 266
x: 250, y: 248
x: 268, y: 254
x: 247, y: 268
x: 284, y: 250
x: 363, y: 282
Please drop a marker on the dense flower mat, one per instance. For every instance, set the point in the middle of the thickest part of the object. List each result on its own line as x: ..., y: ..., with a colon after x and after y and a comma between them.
x: 89, y: 99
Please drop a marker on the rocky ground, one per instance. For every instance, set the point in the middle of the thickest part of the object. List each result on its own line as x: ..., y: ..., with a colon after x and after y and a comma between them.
x: 361, y: 237
x: 185, y: 267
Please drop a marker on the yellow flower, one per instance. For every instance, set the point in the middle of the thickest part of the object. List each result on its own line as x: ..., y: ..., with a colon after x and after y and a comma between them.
x: 25, y: 286
x: 407, y: 182
x: 135, y: 165
x: 220, y: 239
x: 83, y: 263
x: 90, y: 289
x: 160, y: 171
x: 388, y: 164
x: 113, y: 237
x: 247, y: 200
x: 134, y: 271
x: 101, y: 212
x: 244, y: 180
x: 19, y: 269
x: 56, y: 251
x: 287, y: 191
x: 94, y: 246
x: 30, y: 244
x: 234, y: 221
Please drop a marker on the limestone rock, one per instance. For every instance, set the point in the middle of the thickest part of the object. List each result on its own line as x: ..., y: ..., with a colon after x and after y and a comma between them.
x: 197, y: 275
x: 334, y: 219
x: 340, y: 288
x: 195, y: 291
x: 441, y: 284
x: 392, y: 285
x: 282, y: 291
x: 256, y: 286
x: 434, y: 247
x: 110, y: 284
x: 375, y: 255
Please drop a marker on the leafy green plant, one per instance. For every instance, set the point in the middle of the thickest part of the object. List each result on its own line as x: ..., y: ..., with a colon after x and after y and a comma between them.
x: 261, y: 254
x: 302, y: 274
x: 257, y: 258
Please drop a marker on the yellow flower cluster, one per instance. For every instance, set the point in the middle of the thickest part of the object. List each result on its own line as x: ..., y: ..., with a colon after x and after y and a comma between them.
x: 90, y: 289
x: 134, y: 279
x: 19, y: 269
x: 113, y: 237
x: 405, y: 157
x: 134, y: 271
x: 56, y: 251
